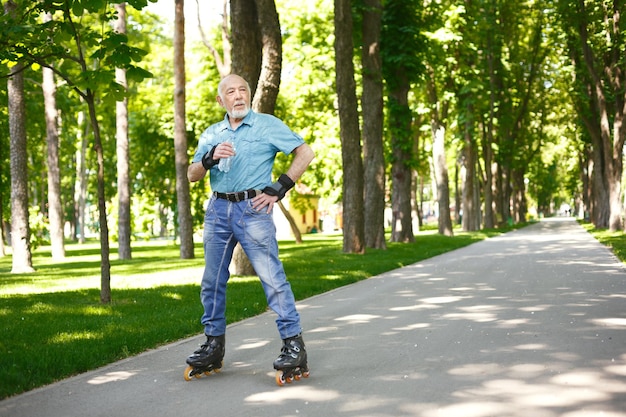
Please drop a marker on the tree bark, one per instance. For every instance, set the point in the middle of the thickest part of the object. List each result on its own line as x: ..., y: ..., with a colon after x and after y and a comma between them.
x: 353, y: 215
x: 20, y: 229
x: 80, y: 191
x: 372, y: 110
x: 55, y: 208
x: 246, y: 41
x: 470, y: 219
x: 185, y: 222
x: 400, y: 114
x: 105, y: 263
x: 442, y: 179
x: 268, y: 84
x: 124, y: 228
x: 438, y: 130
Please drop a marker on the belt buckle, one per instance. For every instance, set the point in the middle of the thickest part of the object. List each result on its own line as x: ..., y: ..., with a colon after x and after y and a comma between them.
x: 237, y: 197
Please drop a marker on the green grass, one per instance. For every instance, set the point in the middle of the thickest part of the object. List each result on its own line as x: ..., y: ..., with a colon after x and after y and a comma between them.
x: 53, y: 324
x: 616, y: 241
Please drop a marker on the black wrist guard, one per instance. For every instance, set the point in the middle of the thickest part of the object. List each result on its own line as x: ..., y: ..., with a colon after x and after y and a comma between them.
x: 207, y: 160
x: 280, y: 187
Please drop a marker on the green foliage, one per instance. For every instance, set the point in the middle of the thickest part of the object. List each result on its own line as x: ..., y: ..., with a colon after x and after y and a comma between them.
x: 307, y: 95
x: 402, y: 41
x: 77, y: 43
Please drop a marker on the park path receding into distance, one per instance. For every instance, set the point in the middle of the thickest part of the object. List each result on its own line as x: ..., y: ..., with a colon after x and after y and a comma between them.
x: 527, y: 324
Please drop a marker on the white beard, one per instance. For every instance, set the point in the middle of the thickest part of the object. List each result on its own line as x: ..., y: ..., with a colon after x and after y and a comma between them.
x: 239, y: 114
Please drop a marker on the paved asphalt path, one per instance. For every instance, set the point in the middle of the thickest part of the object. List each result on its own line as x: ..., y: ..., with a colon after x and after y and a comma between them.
x: 527, y: 324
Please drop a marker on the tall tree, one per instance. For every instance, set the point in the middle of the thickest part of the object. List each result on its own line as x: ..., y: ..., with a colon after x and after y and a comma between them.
x: 123, y: 170
x: 595, y: 38
x: 438, y: 114
x: 20, y: 229
x: 246, y: 42
x: 185, y: 223
x: 93, y: 54
x: 372, y: 110
x: 55, y: 208
x: 353, y: 214
x: 402, y: 45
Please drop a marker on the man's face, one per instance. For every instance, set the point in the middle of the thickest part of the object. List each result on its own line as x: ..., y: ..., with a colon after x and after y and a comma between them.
x: 235, y: 97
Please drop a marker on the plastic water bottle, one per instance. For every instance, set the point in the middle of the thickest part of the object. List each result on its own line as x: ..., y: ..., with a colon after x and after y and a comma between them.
x: 225, y: 163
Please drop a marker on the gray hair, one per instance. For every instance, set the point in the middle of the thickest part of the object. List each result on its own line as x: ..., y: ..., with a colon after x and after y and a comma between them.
x: 220, y: 86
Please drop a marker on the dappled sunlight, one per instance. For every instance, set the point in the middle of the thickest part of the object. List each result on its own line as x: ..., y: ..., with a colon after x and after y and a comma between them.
x: 253, y: 344
x: 357, y: 403
x: 111, y: 377
x: 539, y: 395
x: 442, y: 300
x: 323, y: 329
x: 435, y: 339
x: 299, y: 392
x: 70, y: 337
x: 415, y: 307
x: 611, y: 322
x: 412, y: 327
x: 592, y: 413
x: 470, y: 409
x: 358, y: 318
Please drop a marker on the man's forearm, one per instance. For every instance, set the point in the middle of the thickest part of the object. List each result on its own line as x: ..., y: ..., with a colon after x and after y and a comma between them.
x: 196, y: 172
x: 303, y: 155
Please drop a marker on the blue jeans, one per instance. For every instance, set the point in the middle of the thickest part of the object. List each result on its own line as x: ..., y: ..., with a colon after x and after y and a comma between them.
x: 225, y: 224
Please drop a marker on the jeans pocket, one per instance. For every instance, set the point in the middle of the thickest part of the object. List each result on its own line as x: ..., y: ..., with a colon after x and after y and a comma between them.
x: 210, y: 220
x: 258, y: 225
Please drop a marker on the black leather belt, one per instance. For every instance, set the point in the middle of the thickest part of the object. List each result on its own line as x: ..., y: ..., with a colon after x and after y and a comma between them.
x: 237, y: 197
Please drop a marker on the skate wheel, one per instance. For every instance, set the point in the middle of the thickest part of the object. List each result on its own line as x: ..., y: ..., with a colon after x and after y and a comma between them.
x: 306, y: 374
x: 280, y: 378
x: 187, y: 375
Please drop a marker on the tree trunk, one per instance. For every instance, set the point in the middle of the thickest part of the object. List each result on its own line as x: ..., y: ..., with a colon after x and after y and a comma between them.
x: 353, y: 215
x: 292, y: 222
x: 20, y: 229
x: 105, y: 263
x: 268, y: 84
x: 2, y: 229
x: 442, y: 179
x: 247, y: 49
x: 372, y: 109
x: 488, y: 181
x: 440, y: 166
x: 400, y: 116
x: 185, y: 222
x: 55, y: 208
x: 470, y: 219
x: 124, y: 228
x: 80, y: 191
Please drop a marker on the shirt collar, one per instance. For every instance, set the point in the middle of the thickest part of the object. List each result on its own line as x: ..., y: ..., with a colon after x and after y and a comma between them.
x: 248, y: 120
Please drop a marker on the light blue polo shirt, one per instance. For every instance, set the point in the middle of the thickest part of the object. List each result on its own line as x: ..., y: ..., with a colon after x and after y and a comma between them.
x: 257, y: 140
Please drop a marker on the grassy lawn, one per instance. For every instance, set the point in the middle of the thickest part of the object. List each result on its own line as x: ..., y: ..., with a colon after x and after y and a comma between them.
x: 54, y: 326
x: 616, y: 241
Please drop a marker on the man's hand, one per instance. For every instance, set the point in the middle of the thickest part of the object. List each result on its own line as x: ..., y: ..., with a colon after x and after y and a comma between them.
x: 264, y: 200
x: 223, y: 150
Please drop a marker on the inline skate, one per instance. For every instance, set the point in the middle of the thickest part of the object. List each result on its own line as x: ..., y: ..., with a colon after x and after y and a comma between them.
x: 292, y: 362
x: 208, y: 358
